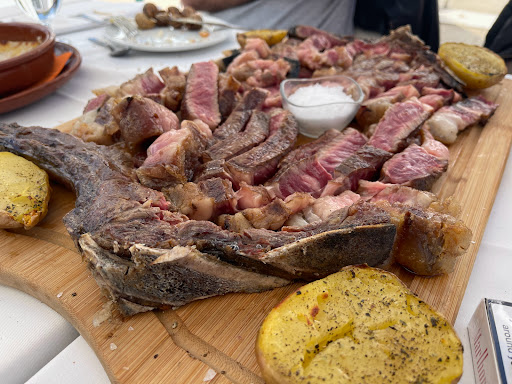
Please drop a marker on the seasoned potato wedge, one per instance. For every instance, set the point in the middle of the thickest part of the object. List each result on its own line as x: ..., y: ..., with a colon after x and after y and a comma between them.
x: 24, y: 192
x: 360, y: 325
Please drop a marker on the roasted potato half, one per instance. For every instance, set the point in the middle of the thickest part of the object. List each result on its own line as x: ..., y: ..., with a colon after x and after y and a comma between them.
x: 271, y: 36
x: 24, y: 192
x: 360, y: 325
x: 477, y: 67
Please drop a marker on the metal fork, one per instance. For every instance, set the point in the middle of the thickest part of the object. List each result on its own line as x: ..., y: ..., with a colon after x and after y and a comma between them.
x: 128, y: 27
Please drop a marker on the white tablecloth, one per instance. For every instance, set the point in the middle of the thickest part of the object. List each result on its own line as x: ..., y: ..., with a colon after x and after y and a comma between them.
x: 37, y: 345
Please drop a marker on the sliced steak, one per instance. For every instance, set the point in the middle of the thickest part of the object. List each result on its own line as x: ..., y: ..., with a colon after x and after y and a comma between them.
x: 201, y: 100
x: 174, y: 90
x: 97, y: 125
x: 235, y: 123
x: 392, y: 193
x: 96, y: 103
x: 308, y: 175
x: 372, y: 110
x: 256, y: 131
x: 140, y: 118
x: 304, y: 31
x: 414, y: 167
x: 320, y: 210
x: 203, y: 201
x: 271, y: 216
x: 402, y: 39
x: 143, y: 84
x: 398, y: 124
x: 447, y: 122
x: 259, y: 164
x: 312, y: 173
x: 252, y: 196
x: 309, y: 149
x: 433, y: 146
x: 214, y: 168
x: 229, y: 95
x: 174, y: 156
x: 362, y: 165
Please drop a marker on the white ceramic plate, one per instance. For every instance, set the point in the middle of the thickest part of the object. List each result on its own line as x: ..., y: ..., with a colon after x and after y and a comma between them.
x: 167, y: 39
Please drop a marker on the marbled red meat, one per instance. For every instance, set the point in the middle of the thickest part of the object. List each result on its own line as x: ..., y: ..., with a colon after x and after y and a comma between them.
x: 140, y: 118
x: 312, y: 172
x: 201, y: 100
x: 236, y: 121
x: 259, y: 164
x: 362, y: 165
x: 256, y: 131
x: 175, y: 82
x: 174, y: 156
x: 414, y: 167
x: 447, y: 122
x: 398, y: 124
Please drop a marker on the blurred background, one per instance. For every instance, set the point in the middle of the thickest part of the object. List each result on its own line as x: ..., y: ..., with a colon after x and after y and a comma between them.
x: 466, y: 21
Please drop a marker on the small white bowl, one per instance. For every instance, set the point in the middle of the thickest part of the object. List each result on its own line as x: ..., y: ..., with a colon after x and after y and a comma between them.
x: 319, y: 113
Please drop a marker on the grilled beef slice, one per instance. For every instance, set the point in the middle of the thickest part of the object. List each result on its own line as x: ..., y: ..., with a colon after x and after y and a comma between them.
x: 174, y: 156
x: 256, y: 131
x: 448, y: 121
x: 175, y: 82
x: 312, y: 173
x: 414, y: 167
x: 362, y: 165
x: 259, y: 164
x: 237, y: 120
x: 140, y: 118
x: 229, y: 88
x: 201, y: 100
x: 398, y: 123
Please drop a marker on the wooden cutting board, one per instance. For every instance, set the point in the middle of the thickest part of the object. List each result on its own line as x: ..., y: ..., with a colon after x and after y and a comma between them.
x: 180, y: 346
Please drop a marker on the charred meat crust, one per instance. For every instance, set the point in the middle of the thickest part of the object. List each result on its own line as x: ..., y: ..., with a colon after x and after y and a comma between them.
x: 328, y: 252
x: 157, y: 278
x: 403, y: 37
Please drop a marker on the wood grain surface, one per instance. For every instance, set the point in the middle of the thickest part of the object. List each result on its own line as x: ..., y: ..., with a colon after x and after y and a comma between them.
x: 180, y: 346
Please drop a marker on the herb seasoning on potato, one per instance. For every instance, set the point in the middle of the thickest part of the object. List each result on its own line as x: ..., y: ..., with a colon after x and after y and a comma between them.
x: 24, y: 192
x: 360, y: 325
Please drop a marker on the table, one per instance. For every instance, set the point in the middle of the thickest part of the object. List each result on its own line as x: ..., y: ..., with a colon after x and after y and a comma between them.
x: 38, y: 346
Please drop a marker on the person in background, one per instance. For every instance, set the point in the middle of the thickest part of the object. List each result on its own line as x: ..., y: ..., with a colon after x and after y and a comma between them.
x: 335, y: 16
x: 381, y: 16
x: 499, y: 37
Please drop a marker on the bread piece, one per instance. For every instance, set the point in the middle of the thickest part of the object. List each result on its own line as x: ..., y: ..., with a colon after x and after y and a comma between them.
x: 360, y: 325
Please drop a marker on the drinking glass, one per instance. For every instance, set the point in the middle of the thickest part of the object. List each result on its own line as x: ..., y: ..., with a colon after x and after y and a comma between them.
x: 42, y: 11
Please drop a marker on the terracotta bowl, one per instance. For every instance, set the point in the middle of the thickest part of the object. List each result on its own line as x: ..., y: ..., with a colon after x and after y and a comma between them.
x: 24, y: 70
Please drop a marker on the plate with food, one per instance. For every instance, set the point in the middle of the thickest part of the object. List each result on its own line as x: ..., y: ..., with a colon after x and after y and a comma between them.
x: 196, y: 192
x: 171, y: 30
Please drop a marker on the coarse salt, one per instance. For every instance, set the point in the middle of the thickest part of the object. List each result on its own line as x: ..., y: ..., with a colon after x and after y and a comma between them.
x: 315, y: 110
